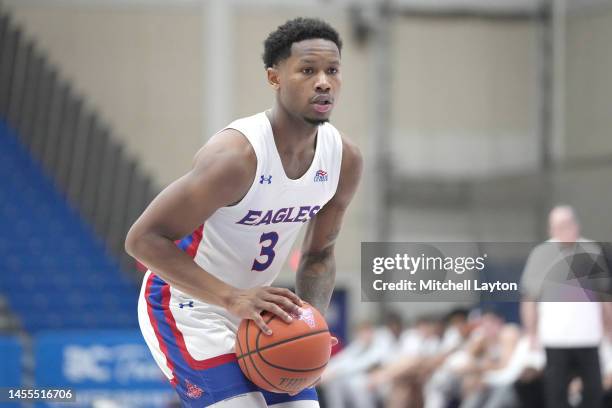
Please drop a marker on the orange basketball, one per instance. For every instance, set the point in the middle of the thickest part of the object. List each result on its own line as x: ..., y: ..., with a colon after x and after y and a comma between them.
x: 289, y: 360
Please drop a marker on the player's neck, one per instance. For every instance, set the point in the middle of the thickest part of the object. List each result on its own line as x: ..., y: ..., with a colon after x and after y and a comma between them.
x: 290, y: 133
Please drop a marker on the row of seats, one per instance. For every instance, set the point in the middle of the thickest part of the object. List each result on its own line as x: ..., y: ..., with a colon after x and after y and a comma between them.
x: 55, y: 274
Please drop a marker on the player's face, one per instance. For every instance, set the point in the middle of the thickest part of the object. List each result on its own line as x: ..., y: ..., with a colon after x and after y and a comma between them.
x: 310, y: 80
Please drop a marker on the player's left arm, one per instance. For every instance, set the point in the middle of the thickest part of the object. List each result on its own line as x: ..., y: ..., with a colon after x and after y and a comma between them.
x: 317, y: 271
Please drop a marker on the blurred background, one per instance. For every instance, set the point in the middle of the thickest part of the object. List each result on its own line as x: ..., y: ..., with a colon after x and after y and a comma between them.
x: 475, y: 117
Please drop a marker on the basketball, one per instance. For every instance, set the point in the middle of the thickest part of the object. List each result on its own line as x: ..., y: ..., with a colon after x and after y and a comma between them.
x: 290, y: 359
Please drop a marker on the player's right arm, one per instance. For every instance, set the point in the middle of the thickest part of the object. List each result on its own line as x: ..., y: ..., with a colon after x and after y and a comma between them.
x: 222, y: 174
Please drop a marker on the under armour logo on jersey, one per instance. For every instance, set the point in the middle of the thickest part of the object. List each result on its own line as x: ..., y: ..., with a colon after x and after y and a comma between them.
x: 188, y: 304
x: 320, y: 175
x: 266, y: 180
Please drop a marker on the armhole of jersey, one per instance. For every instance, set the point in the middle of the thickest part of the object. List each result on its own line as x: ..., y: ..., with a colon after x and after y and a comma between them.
x: 244, y: 200
x: 340, y: 147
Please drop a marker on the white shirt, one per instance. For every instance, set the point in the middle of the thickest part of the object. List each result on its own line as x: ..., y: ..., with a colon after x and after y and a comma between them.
x: 562, y: 324
x: 570, y: 324
x: 414, y: 344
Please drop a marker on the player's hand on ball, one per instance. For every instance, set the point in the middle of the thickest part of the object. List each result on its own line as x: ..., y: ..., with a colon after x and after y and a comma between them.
x: 250, y: 303
x: 290, y: 360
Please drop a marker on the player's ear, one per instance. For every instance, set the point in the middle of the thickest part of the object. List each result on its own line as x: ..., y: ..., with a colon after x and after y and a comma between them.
x: 273, y: 77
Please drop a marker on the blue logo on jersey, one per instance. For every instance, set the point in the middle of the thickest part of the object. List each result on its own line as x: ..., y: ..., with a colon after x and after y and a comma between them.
x: 188, y: 304
x: 288, y: 214
x: 320, y: 175
x: 266, y: 180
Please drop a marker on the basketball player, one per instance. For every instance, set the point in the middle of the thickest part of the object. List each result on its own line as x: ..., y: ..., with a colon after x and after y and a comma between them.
x: 251, y: 188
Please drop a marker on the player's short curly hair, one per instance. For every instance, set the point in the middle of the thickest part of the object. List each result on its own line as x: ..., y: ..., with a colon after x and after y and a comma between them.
x: 277, y: 46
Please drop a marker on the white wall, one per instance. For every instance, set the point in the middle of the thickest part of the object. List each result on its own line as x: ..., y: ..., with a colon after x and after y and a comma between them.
x: 465, y: 100
x: 141, y: 68
x: 589, y: 83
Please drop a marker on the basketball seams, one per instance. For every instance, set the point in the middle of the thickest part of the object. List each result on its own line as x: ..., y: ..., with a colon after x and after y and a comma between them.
x: 270, y: 319
x: 242, y: 354
x: 253, y: 363
x: 295, y: 370
x: 246, y: 366
x: 269, y: 346
x: 257, y: 350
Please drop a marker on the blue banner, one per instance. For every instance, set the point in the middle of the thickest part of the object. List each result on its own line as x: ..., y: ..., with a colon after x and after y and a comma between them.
x: 115, y: 366
x: 10, y: 366
x: 337, y: 317
x: 10, y: 355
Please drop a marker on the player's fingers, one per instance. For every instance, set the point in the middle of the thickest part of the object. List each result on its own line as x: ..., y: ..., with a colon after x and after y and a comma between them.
x: 274, y: 308
x: 334, y: 341
x: 284, y: 303
x: 288, y: 294
x: 259, y: 321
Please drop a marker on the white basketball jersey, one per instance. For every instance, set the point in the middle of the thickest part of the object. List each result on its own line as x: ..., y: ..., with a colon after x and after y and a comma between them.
x: 245, y: 245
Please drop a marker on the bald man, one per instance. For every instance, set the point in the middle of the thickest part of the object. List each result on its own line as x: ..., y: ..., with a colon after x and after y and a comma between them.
x: 560, y: 315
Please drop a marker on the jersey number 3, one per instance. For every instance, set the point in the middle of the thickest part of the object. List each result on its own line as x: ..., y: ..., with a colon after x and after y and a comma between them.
x: 267, y: 251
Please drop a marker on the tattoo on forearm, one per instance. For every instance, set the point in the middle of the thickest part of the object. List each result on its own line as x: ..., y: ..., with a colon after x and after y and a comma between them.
x: 315, y: 278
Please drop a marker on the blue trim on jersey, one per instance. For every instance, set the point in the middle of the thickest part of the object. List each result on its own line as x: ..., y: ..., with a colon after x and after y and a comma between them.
x: 217, y: 383
x: 185, y: 242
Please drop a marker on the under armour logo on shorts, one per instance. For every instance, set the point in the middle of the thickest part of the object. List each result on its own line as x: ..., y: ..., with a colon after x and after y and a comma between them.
x: 188, y: 304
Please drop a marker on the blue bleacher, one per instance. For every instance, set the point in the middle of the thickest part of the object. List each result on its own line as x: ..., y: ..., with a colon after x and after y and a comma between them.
x: 53, y: 270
